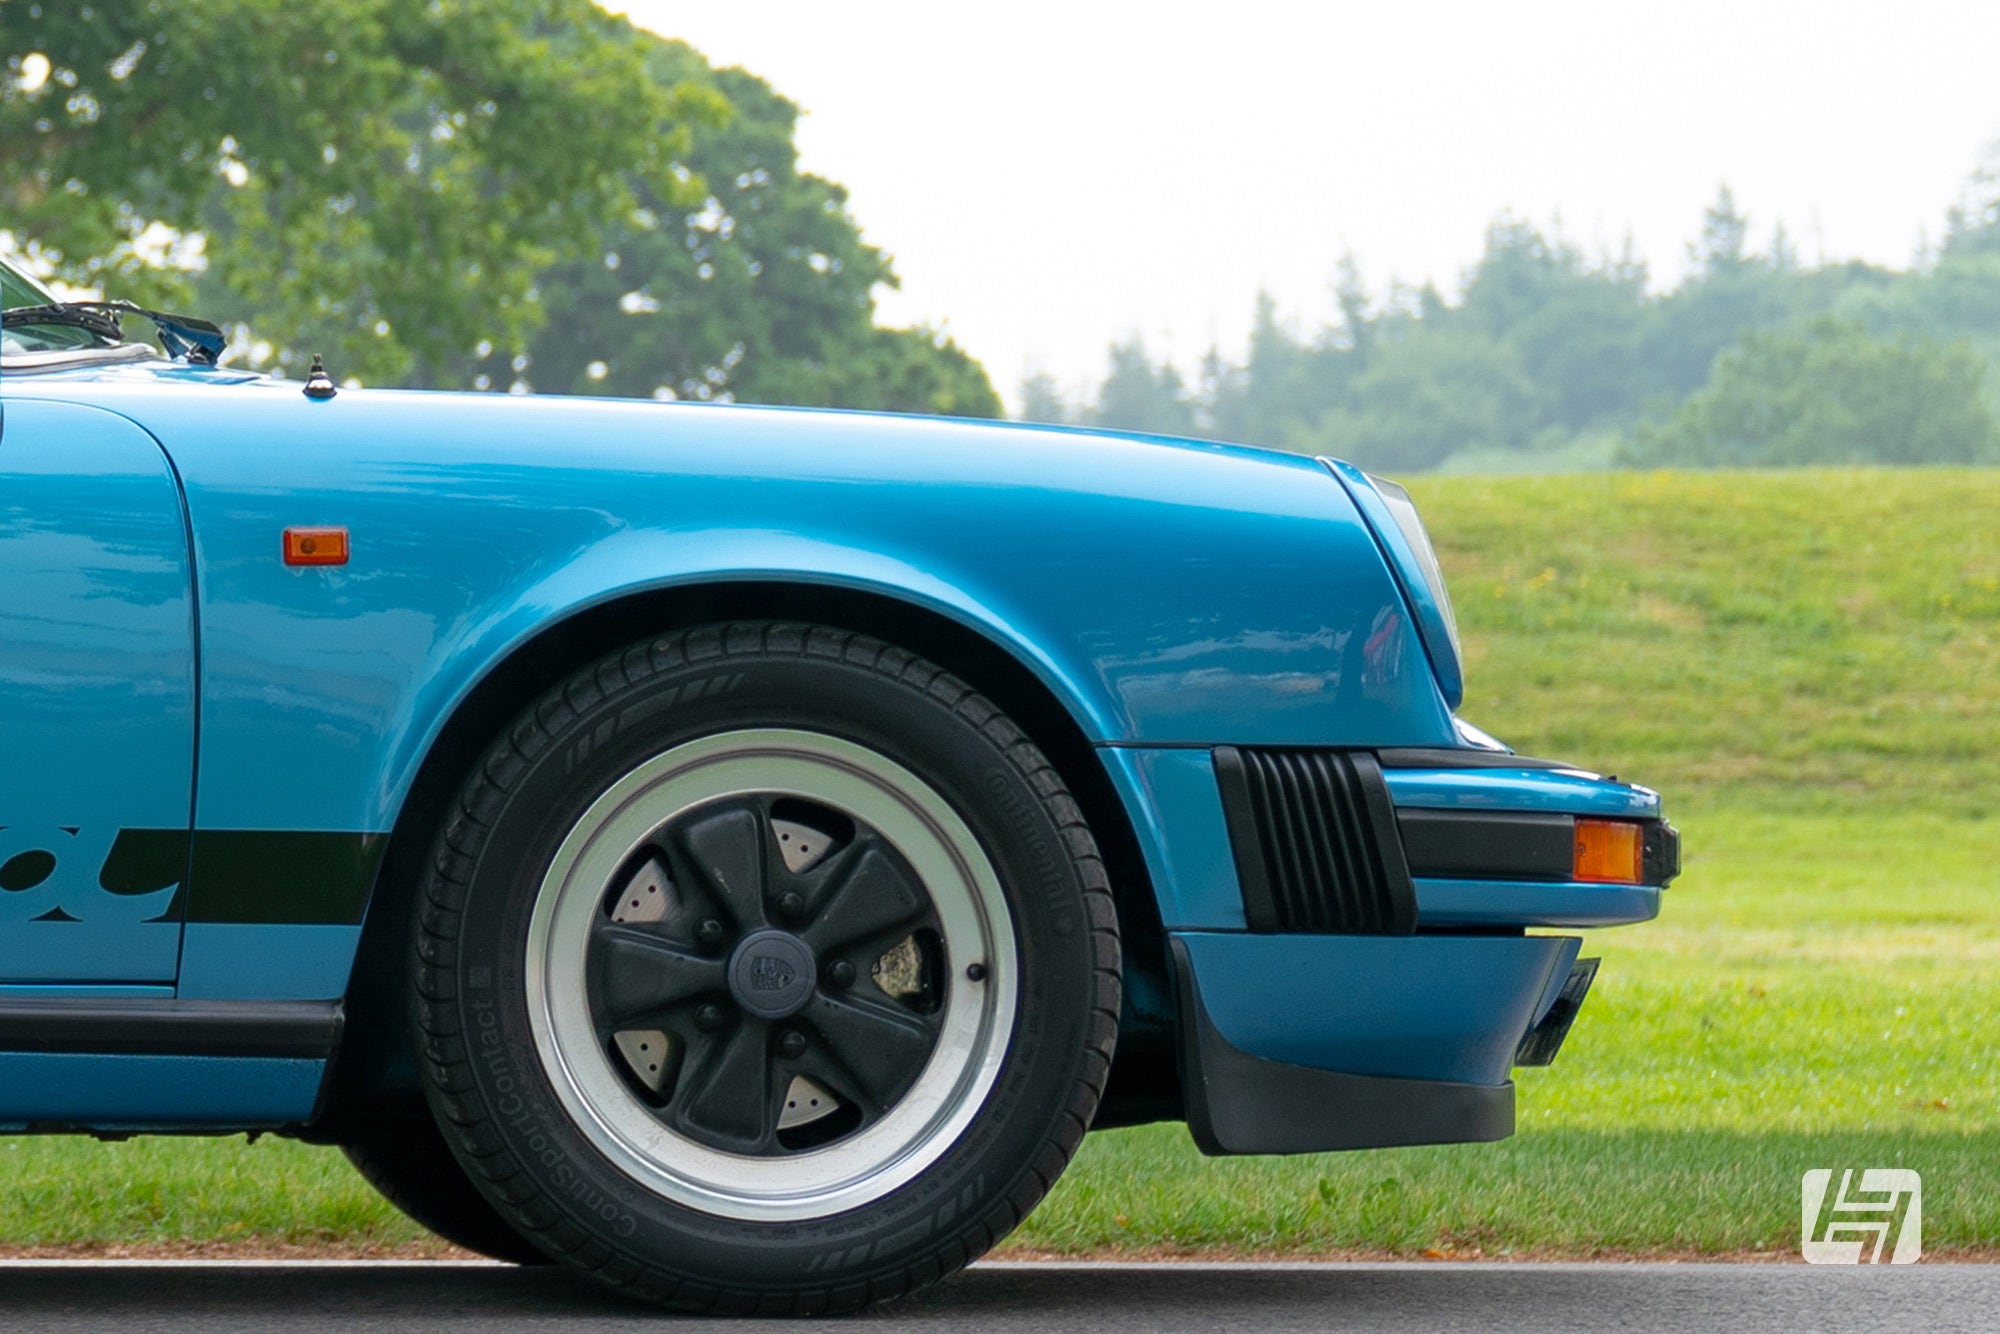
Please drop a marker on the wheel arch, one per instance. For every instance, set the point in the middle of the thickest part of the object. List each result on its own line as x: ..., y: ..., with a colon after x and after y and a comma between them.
x: 375, y: 1075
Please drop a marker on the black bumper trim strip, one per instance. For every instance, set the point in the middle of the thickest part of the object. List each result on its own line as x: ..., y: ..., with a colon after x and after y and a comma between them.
x: 1445, y: 757
x: 1488, y: 845
x: 127, y: 1026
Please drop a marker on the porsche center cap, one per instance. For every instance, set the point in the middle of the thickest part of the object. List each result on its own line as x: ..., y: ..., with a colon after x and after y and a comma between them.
x: 772, y: 975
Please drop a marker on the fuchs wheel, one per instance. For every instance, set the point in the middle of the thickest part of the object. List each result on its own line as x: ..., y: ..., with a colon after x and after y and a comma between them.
x: 410, y: 1165
x: 798, y: 974
x: 765, y: 968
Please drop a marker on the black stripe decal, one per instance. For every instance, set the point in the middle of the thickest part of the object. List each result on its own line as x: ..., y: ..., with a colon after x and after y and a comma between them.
x: 144, y: 1027
x: 282, y: 878
x: 144, y: 861
x: 256, y: 877
x: 241, y: 876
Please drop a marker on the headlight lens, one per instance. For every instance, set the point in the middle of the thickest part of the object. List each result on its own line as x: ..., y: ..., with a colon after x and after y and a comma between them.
x: 1391, y: 517
x: 1404, y: 511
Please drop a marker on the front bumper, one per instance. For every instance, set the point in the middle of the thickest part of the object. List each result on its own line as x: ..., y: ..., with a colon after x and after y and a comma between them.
x: 1348, y: 940
x: 1447, y: 1049
x: 1493, y: 846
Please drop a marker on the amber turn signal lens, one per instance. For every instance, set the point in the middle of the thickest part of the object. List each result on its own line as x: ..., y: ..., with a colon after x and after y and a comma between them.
x: 315, y: 546
x: 1610, y: 852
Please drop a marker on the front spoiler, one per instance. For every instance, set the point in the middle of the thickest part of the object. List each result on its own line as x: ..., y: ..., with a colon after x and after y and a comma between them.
x: 1238, y: 1103
x: 1545, y: 1039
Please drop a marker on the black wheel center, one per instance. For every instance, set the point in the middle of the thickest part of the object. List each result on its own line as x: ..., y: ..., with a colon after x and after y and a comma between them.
x: 772, y: 974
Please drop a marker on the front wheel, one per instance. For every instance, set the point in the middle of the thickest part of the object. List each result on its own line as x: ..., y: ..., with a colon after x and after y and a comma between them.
x: 765, y: 968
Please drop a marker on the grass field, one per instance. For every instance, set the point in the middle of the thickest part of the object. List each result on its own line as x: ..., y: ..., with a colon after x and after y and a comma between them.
x: 1808, y: 664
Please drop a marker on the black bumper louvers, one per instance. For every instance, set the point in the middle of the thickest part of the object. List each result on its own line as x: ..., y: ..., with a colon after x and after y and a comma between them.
x: 1317, y: 850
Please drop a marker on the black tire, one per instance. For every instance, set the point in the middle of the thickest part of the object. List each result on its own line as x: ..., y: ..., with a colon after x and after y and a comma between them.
x: 586, y: 1195
x: 410, y: 1165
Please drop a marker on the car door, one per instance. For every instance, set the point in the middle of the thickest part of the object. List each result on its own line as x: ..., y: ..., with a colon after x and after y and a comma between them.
x: 97, y: 699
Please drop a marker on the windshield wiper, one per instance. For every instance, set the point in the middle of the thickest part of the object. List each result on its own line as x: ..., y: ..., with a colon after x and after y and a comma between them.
x: 184, y: 337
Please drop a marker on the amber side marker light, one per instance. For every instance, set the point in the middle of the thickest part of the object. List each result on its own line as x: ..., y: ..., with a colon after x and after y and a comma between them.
x: 1610, y: 852
x: 315, y: 546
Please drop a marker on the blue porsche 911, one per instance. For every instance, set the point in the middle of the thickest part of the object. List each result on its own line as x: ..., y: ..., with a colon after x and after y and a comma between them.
x: 736, y: 852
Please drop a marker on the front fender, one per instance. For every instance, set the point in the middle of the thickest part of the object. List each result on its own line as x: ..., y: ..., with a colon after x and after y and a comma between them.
x: 1166, y: 594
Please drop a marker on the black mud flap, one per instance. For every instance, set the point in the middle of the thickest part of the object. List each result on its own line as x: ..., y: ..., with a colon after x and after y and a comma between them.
x: 1545, y: 1039
x: 1238, y: 1103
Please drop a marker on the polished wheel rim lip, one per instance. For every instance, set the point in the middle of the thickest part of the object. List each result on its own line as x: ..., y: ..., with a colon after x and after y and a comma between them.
x: 977, y: 1015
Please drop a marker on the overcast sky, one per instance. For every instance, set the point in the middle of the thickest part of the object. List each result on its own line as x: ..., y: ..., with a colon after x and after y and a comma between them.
x: 1051, y: 176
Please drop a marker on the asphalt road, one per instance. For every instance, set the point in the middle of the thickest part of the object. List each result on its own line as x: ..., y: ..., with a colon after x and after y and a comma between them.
x: 361, y: 1298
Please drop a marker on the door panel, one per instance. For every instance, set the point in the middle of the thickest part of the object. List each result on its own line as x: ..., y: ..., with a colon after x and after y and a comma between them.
x: 97, y: 699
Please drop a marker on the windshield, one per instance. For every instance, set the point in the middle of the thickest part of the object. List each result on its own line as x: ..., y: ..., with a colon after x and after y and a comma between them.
x: 18, y: 289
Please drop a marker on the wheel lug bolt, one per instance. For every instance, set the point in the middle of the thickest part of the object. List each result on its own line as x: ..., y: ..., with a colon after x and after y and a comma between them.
x: 841, y: 974
x: 793, y: 1043
x: 709, y: 934
x: 708, y: 1018
x: 790, y: 905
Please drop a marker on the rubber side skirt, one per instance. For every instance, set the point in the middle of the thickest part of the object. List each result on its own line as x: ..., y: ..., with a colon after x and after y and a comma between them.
x: 121, y: 1026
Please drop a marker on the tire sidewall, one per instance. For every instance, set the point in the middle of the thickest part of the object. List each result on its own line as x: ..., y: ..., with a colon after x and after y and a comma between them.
x: 503, y: 1096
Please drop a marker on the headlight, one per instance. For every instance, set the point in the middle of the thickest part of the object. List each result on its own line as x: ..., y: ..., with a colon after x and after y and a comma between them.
x: 1404, y: 511
x: 1392, y: 515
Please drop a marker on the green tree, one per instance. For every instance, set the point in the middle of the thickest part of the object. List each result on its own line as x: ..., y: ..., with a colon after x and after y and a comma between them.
x: 1829, y: 393
x: 383, y: 182
x: 1973, y: 225
x: 1042, y: 400
x: 1286, y: 381
x: 757, y: 289
x: 1427, y: 395
x: 1723, y: 247
x: 494, y: 193
x: 1729, y: 291
x: 906, y: 370
x: 1579, y: 329
x: 1958, y: 297
x: 1138, y: 396
x: 1350, y: 296
x: 1552, y: 355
